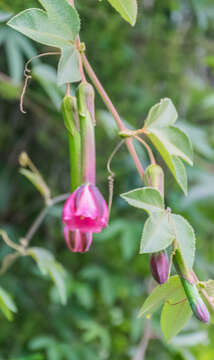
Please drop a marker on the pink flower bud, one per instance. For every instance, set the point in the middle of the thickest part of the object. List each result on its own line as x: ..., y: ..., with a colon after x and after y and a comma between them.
x: 159, y: 264
x: 77, y: 241
x: 85, y: 210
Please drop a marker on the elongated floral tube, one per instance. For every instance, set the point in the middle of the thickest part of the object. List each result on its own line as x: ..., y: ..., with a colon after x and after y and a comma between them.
x: 86, y: 111
x: 71, y: 120
x: 85, y: 211
x: 76, y: 240
x: 197, y: 305
x: 159, y: 262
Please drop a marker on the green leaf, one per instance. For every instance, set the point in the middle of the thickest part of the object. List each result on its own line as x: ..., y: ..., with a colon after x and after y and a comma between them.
x: 35, y: 24
x: 126, y: 8
x: 185, y: 236
x: 171, y: 142
x: 161, y: 294
x: 157, y: 233
x: 147, y: 198
x: 68, y: 67
x: 176, y: 142
x: 181, y: 175
x: 64, y: 16
x: 58, y: 26
x: 174, y: 163
x: 49, y: 266
x: 161, y: 115
x: 7, y: 304
x: 175, y: 314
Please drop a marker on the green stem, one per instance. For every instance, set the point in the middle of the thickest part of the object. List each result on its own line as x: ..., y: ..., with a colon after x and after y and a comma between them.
x: 75, y: 160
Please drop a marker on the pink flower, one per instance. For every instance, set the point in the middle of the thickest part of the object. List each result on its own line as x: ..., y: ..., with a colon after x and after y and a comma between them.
x: 77, y: 241
x: 85, y: 210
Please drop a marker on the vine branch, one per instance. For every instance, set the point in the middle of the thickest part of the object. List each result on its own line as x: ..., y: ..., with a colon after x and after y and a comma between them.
x: 113, y: 111
x: 36, y: 224
x: 21, y: 250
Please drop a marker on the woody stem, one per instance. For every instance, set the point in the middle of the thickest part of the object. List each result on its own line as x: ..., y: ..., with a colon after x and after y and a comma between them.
x: 113, y: 111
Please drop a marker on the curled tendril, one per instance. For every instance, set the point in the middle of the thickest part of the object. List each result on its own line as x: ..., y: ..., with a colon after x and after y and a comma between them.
x: 27, y: 75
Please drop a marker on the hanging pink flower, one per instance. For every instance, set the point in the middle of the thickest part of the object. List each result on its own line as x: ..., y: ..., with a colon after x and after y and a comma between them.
x: 85, y: 210
x: 77, y: 241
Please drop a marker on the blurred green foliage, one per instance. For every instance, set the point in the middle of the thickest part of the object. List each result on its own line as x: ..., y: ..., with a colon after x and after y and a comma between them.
x: 170, y: 52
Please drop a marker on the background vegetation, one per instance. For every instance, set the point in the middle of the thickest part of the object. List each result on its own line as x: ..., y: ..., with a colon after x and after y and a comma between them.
x: 170, y: 53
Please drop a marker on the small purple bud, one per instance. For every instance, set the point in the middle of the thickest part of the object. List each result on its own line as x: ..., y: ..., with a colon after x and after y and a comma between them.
x: 202, y: 313
x: 197, y: 305
x: 159, y: 264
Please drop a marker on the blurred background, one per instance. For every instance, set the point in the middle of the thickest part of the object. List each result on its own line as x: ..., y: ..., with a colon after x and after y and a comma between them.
x: 169, y: 53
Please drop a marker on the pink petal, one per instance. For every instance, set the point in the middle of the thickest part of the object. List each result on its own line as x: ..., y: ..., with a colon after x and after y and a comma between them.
x: 86, y: 205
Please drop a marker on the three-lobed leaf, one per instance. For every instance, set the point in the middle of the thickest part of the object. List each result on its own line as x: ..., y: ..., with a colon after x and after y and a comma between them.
x: 147, y: 198
x: 185, y: 236
x: 58, y: 26
x: 176, y: 310
x: 64, y: 16
x: 171, y: 142
x: 161, y: 294
x: 162, y: 114
x: 126, y: 8
x: 68, y: 67
x: 176, y: 142
x: 161, y: 229
x: 157, y: 233
x: 174, y: 163
x: 35, y: 24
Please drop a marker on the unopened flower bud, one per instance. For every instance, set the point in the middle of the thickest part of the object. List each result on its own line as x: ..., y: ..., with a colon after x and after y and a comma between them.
x: 77, y: 241
x: 159, y: 264
x: 23, y: 159
x: 85, y: 210
x: 86, y: 100
x: 154, y: 177
x: 70, y: 114
x: 197, y: 305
